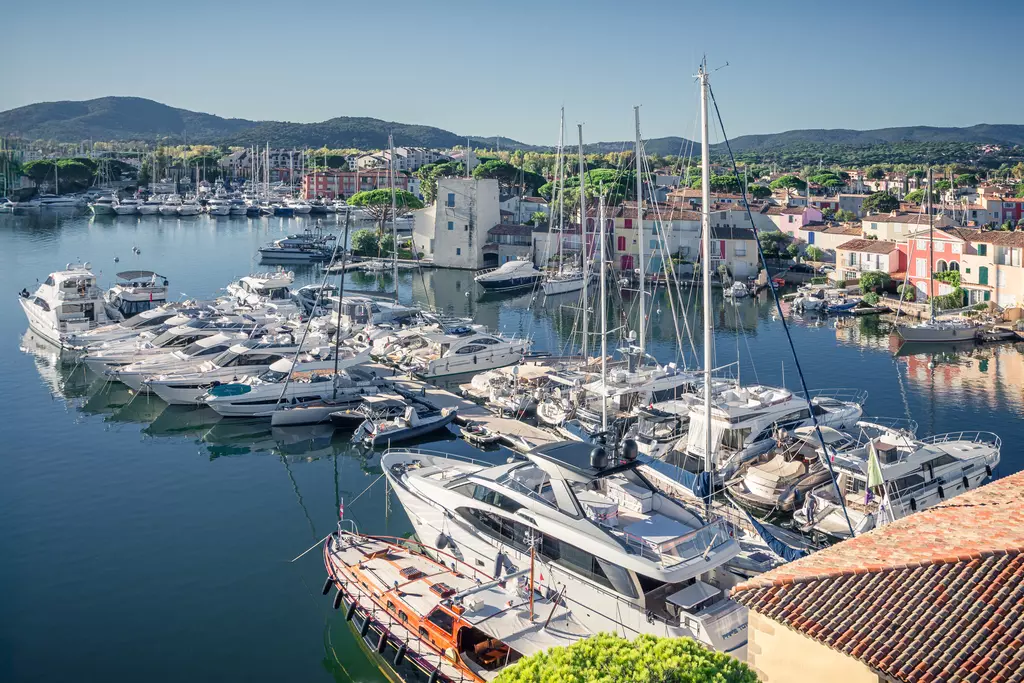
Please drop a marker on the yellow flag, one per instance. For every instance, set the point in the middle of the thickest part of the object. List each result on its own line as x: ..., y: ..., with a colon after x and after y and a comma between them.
x: 874, y: 467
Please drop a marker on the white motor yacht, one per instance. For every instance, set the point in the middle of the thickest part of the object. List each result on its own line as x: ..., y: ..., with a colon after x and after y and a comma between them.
x: 299, y: 206
x: 354, y: 313
x: 189, y: 207
x: 52, y: 201
x: 151, y: 206
x: 623, y: 556
x: 67, y: 303
x: 237, y: 206
x: 135, y: 374
x: 170, y: 205
x: 442, y: 349
x: 311, y: 379
x: 510, y: 275
x: 913, y: 474
x: 127, y: 207
x: 307, y: 246
x: 134, y: 292
x: 104, y: 205
x: 262, y: 289
x: 218, y: 207
x: 133, y: 326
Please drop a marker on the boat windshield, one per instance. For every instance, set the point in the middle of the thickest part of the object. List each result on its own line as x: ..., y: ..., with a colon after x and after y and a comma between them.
x: 277, y: 293
x: 273, y: 376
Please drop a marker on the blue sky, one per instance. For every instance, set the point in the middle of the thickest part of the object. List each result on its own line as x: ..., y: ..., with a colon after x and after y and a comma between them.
x: 487, y: 68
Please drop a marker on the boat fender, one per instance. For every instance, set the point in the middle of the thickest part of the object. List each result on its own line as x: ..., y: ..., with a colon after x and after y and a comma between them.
x: 942, y: 493
x: 351, y: 610
x: 382, y: 644
x: 499, y: 562
x: 913, y: 504
x: 967, y: 483
x: 365, y: 628
x: 442, y: 542
x: 337, y: 604
x: 327, y: 586
x: 400, y: 657
x: 433, y: 676
x: 988, y: 470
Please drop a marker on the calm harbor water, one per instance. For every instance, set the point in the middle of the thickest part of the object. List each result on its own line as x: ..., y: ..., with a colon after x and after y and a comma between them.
x: 142, y: 542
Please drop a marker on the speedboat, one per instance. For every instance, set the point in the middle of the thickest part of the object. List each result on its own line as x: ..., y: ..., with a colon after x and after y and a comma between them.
x: 911, y: 474
x: 737, y: 290
x: 218, y: 207
x: 289, y: 382
x: 170, y: 205
x: 265, y: 289
x: 415, y: 421
x: 442, y: 349
x: 133, y: 326
x: 66, y: 304
x: 127, y: 207
x: 379, y: 407
x: 189, y: 207
x: 134, y: 292
x: 309, y: 245
x: 316, y: 299
x: 104, y: 205
x: 624, y: 556
x: 510, y: 275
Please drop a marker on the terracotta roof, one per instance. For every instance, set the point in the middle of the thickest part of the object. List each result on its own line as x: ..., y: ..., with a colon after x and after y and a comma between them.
x: 1000, y: 238
x: 936, y: 596
x: 916, y: 218
x: 870, y: 246
x: 535, y: 200
x: 942, y: 234
x: 845, y: 229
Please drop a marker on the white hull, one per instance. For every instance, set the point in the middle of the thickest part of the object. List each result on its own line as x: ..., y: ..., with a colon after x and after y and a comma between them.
x: 168, y: 210
x: 126, y: 210
x: 148, y: 210
x: 463, y: 365
x: 188, y: 210
x: 221, y: 211
x: 563, y: 286
x: 103, y: 210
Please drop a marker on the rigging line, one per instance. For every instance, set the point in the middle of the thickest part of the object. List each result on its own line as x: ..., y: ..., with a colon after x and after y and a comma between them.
x: 785, y: 326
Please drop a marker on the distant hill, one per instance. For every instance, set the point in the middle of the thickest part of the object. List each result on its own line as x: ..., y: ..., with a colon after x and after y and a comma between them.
x: 135, y: 118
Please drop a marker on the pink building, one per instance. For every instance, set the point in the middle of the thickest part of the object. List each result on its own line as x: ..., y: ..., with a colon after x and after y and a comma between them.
x: 341, y: 184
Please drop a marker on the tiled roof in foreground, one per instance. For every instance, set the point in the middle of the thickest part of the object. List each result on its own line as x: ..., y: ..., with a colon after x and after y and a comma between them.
x: 937, y: 596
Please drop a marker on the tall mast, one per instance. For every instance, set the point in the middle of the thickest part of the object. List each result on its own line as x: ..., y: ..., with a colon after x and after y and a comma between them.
x: 640, y: 238
x: 394, y: 212
x: 931, y: 253
x: 583, y: 235
x: 604, y: 317
x: 705, y: 217
x: 560, y: 179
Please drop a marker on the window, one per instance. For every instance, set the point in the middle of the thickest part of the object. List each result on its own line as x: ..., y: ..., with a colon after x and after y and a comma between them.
x: 451, y: 199
x: 458, y: 251
x: 472, y: 348
x: 629, y: 223
x: 654, y: 244
x: 1000, y: 278
x: 451, y: 225
x: 622, y: 243
x: 740, y: 249
x: 940, y: 246
x: 874, y: 226
x: 790, y: 219
x: 982, y: 250
x: 920, y: 267
x: 955, y: 248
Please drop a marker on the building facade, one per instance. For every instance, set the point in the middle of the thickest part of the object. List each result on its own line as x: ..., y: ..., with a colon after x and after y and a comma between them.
x: 452, y: 231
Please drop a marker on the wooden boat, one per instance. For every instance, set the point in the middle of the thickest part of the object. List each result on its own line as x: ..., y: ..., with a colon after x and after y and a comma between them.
x: 439, y: 621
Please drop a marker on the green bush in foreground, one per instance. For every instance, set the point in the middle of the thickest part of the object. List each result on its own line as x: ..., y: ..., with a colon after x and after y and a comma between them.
x: 606, y: 658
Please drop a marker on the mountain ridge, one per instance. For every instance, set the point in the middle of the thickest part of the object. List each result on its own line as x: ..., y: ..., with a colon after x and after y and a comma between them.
x: 117, y: 118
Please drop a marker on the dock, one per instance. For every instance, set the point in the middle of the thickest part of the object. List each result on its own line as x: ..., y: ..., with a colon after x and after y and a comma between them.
x: 514, y: 434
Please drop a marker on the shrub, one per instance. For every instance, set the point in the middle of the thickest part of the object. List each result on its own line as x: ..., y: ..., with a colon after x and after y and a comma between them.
x: 954, y: 299
x: 874, y: 280
x: 605, y: 658
x: 871, y: 299
x: 907, y: 292
x: 980, y: 307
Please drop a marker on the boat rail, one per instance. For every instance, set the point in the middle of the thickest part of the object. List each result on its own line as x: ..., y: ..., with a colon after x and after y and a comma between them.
x: 971, y: 436
x: 844, y: 394
x: 437, y: 454
x: 939, y: 481
x: 91, y: 292
x: 697, y: 543
x: 888, y: 424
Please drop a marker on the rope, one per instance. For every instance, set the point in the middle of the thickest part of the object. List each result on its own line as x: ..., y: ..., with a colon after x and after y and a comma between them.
x: 785, y: 326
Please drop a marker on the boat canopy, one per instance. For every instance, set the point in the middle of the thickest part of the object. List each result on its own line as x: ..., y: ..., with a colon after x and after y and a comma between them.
x: 134, y: 275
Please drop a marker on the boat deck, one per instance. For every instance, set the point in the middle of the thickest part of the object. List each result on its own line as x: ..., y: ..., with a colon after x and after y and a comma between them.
x: 515, y: 434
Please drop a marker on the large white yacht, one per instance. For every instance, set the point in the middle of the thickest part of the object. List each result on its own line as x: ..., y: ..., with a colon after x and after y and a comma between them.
x: 218, y: 207
x: 104, y: 205
x: 135, y: 374
x: 624, y: 557
x: 151, y: 206
x: 913, y: 474
x: 67, y: 303
x: 134, y: 326
x: 261, y: 289
x: 353, y: 313
x: 134, y: 292
x: 441, y: 349
x: 170, y: 205
x: 312, y: 378
x: 509, y: 275
x: 127, y: 207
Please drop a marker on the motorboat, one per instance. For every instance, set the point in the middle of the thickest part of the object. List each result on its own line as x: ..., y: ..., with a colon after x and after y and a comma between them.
x: 624, y: 556
x: 134, y: 292
x: 189, y: 207
x: 104, y: 205
x: 135, y: 374
x: 66, y: 304
x: 288, y: 382
x: 424, y: 615
x: 910, y: 474
x: 6, y: 205
x: 114, y: 355
x: 127, y: 207
x: 282, y: 209
x: 170, y: 205
x: 509, y: 275
x: 237, y: 206
x: 300, y: 206
x: 52, y: 201
x: 316, y: 297
x: 939, y: 331
x: 736, y: 290
x: 380, y: 407
x: 479, y: 434
x: 321, y: 207
x: 442, y: 349
x: 307, y: 246
x: 262, y: 289
x: 134, y: 326
x: 151, y: 206
x: 415, y: 421
x: 218, y: 207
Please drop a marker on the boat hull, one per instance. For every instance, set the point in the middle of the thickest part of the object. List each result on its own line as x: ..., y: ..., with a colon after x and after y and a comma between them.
x: 509, y: 284
x: 398, y: 435
x: 935, y: 334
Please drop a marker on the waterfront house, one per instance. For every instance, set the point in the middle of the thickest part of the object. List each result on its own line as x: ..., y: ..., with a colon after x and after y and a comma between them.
x: 860, y: 255
x: 1000, y: 206
x: 931, y: 598
x: 665, y: 227
x: 521, y: 209
x: 991, y: 266
x: 335, y: 184
x: 945, y: 249
x: 829, y: 236
x: 453, y: 230
x: 737, y: 249
x: 791, y: 219
x: 897, y: 225
x: 508, y: 243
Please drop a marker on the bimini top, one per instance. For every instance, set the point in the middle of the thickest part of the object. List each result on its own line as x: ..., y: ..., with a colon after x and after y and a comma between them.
x: 134, y: 275
x: 578, y: 461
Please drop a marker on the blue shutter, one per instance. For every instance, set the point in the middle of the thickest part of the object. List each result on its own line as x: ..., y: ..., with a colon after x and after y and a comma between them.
x: 451, y: 199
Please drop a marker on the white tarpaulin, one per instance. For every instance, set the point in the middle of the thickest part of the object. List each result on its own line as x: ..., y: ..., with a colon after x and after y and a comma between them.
x: 696, y: 436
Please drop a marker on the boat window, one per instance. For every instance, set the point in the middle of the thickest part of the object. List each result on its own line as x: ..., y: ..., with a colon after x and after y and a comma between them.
x: 491, y: 525
x: 41, y: 304
x: 585, y: 564
x: 944, y: 459
x: 403, y: 616
x: 391, y: 606
x: 49, y: 281
x: 441, y: 619
x: 486, y: 340
x: 278, y: 294
x: 648, y: 584
x: 273, y: 376
x: 735, y: 438
x: 472, y: 348
x: 491, y: 497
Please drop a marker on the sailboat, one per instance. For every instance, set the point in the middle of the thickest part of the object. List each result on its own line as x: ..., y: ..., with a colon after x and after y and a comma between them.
x: 932, y: 330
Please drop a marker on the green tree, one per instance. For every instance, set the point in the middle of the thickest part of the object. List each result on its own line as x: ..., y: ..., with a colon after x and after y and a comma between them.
x: 845, y: 215
x: 773, y: 243
x: 875, y: 172
x: 430, y: 174
x: 538, y: 218
x: 966, y: 180
x: 646, y: 659
x: 365, y: 242
x: 918, y: 196
x: 39, y: 171
x: 814, y: 253
x: 788, y: 182
x: 830, y: 180
x: 509, y: 177
x: 1020, y: 189
x: 760, y: 192
x: 943, y: 186
x: 916, y: 173
x: 377, y: 203
x: 881, y: 202
x: 874, y: 280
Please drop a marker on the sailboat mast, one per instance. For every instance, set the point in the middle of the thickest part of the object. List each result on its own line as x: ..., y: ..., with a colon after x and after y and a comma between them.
x: 640, y: 238
x: 931, y: 253
x: 583, y: 235
x: 705, y: 216
x: 560, y: 179
x: 604, y: 316
x: 394, y: 213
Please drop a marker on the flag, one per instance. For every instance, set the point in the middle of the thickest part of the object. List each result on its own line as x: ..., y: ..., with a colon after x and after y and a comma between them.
x: 874, y: 468
x: 341, y: 509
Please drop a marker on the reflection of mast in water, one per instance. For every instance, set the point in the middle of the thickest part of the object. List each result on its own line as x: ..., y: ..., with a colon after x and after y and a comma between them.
x: 298, y: 495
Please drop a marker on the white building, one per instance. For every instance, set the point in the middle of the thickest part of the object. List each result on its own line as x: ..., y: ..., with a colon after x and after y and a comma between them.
x: 523, y: 208
x: 406, y: 158
x: 452, y: 232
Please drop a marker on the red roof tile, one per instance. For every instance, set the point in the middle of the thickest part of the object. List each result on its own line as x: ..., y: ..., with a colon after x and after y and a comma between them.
x: 937, y: 596
x: 869, y: 246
